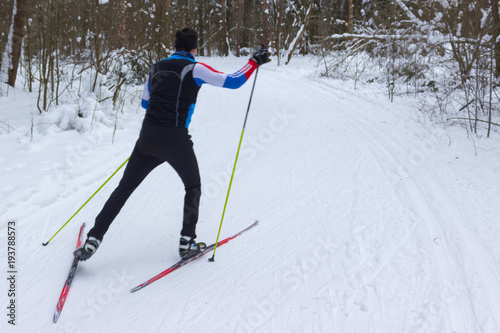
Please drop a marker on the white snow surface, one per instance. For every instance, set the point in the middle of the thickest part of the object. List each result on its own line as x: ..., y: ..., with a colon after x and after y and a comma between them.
x: 371, y: 220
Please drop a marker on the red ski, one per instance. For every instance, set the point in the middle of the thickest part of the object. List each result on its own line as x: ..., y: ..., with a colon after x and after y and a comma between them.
x: 71, y: 274
x: 183, y: 262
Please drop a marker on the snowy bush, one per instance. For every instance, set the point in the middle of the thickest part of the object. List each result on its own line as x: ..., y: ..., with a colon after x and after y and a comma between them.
x: 84, y: 96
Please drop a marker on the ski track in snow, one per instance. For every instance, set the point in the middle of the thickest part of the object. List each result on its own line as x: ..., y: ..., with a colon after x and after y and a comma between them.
x: 356, y: 233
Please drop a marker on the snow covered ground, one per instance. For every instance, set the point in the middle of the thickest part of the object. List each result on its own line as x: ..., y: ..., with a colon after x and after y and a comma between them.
x: 370, y: 221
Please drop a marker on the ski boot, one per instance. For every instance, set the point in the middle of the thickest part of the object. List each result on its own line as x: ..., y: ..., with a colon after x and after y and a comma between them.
x: 188, y: 248
x: 88, y: 249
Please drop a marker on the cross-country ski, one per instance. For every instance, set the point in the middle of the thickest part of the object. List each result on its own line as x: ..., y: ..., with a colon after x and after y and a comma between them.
x: 69, y: 280
x: 183, y: 262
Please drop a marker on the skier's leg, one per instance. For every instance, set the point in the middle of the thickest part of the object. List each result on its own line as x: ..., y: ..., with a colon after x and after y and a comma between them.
x: 138, y: 167
x: 183, y: 160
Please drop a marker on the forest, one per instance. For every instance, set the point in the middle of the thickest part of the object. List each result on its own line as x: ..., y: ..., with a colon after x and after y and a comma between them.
x: 448, y: 49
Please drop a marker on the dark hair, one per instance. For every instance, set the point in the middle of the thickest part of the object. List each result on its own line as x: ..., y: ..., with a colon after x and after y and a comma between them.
x: 186, y: 40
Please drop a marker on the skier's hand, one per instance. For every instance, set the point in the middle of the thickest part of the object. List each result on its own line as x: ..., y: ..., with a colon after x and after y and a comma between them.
x: 261, y: 55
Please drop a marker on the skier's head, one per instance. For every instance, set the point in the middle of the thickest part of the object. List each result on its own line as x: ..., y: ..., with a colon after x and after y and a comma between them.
x: 186, y: 40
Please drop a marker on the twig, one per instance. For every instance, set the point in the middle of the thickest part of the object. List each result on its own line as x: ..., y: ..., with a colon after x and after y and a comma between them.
x: 483, y: 121
x: 10, y: 127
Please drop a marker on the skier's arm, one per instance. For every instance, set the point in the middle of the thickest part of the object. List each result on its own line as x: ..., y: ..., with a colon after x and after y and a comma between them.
x: 206, y: 74
x: 145, y: 95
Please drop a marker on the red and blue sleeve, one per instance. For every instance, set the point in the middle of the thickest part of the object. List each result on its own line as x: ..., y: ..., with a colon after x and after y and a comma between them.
x: 203, y: 73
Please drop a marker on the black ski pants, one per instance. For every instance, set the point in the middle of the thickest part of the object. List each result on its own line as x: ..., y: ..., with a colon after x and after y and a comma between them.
x: 156, y: 144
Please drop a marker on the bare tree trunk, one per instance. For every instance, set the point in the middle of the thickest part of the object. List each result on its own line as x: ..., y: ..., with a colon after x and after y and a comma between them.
x: 201, y: 28
x: 350, y: 18
x: 5, y: 48
x: 496, y: 35
x: 162, y: 31
x: 157, y: 43
x: 97, y: 42
x: 167, y: 26
x: 28, y: 52
x: 121, y: 25
x: 490, y: 107
x: 265, y: 23
x: 224, y: 47
x: 17, y: 39
x: 238, y: 27
x: 277, y: 43
x: 299, y: 35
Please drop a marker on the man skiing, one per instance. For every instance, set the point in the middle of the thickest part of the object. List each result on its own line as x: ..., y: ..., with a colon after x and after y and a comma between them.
x: 169, y: 98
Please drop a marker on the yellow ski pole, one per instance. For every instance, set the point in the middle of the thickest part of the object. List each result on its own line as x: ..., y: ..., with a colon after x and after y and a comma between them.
x: 234, y: 167
x: 79, y: 209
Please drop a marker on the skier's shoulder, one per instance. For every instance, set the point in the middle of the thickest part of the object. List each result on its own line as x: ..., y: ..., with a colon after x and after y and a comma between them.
x: 174, y: 60
x: 202, y: 67
x: 172, y: 63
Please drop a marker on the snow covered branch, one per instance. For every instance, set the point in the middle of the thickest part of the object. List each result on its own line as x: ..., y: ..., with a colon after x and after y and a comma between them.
x: 409, y: 13
x: 434, y: 39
